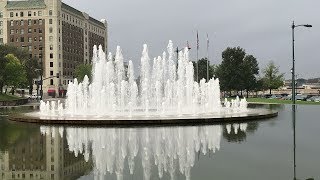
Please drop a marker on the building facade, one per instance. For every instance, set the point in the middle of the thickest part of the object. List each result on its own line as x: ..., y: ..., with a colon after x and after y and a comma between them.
x: 60, y: 36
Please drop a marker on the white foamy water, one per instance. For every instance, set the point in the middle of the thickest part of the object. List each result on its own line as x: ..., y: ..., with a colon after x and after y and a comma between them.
x: 163, y: 88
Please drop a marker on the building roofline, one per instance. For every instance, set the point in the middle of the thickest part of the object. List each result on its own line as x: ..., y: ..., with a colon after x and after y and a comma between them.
x: 80, y: 13
x: 30, y: 4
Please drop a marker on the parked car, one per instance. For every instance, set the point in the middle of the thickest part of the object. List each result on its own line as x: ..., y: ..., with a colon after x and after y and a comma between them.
x: 314, y: 99
x: 267, y: 96
x: 33, y: 96
x: 301, y: 97
x: 275, y: 96
x: 311, y: 98
x: 289, y: 97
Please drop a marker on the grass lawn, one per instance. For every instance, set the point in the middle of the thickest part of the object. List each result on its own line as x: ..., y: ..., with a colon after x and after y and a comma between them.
x: 7, y: 97
x: 279, y: 101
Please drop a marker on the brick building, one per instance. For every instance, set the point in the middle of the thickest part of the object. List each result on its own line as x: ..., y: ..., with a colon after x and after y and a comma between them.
x: 60, y: 36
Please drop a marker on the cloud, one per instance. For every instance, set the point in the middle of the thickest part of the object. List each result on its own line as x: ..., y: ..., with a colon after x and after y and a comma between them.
x: 261, y: 27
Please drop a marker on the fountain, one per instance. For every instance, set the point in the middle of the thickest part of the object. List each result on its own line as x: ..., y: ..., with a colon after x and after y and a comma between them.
x: 164, y: 92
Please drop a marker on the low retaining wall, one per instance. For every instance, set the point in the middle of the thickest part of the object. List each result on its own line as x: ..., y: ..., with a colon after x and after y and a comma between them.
x: 17, y: 102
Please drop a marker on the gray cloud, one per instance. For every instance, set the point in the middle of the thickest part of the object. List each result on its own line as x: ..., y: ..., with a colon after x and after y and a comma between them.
x: 262, y: 27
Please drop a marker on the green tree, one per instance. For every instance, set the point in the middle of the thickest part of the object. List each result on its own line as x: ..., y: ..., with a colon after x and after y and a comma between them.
x: 230, y: 69
x: 250, y: 70
x: 82, y: 70
x: 31, y: 66
x: 272, y: 79
x: 203, y: 69
x: 14, y: 72
x: 237, y: 71
x: 21, y: 54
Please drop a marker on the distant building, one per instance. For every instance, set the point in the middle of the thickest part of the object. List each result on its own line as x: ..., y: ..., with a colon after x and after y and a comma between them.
x: 61, y: 36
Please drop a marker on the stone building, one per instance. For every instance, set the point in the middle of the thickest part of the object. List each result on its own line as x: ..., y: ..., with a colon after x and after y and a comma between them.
x: 60, y: 36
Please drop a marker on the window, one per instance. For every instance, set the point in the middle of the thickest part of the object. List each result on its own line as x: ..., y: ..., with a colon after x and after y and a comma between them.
x: 40, y: 30
x: 21, y: 14
x: 30, y: 48
x: 40, y: 48
x: 21, y: 39
x: 1, y: 31
x: 39, y: 13
x: 21, y: 22
x: 35, y: 39
x: 29, y: 39
x: 51, y: 55
x: 50, y: 21
x: 34, y: 13
x: 40, y: 39
x: 51, y: 81
x: 11, y: 39
x: 29, y: 30
x: 11, y: 31
x: 11, y: 14
x: 1, y: 14
x: 51, y: 64
x: 51, y: 47
x: 29, y: 22
x: 50, y: 12
x: 50, y: 30
x: 40, y: 55
x: 51, y: 72
x: 1, y: 23
x: 40, y: 21
x: 29, y: 13
x: 21, y: 31
x: 11, y: 23
x: 17, y: 39
x: 50, y: 38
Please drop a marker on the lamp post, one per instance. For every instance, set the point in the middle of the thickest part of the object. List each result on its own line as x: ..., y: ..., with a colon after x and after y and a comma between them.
x: 293, y: 60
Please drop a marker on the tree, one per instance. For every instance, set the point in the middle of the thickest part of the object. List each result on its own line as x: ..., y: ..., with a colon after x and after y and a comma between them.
x: 203, y: 69
x: 83, y: 70
x: 14, y: 72
x: 21, y: 54
x: 229, y: 71
x: 31, y: 66
x: 250, y: 69
x: 237, y: 70
x: 272, y: 78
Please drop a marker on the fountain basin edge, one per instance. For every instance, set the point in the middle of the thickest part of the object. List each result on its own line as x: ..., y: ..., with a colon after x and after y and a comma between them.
x: 145, y: 121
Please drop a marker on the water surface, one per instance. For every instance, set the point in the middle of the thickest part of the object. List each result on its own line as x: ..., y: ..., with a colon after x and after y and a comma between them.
x: 255, y: 150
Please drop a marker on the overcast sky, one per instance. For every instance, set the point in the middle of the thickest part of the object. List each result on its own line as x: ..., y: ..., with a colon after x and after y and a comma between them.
x: 261, y: 27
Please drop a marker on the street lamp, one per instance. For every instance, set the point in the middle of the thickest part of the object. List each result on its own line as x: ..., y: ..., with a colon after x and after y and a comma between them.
x: 293, y: 60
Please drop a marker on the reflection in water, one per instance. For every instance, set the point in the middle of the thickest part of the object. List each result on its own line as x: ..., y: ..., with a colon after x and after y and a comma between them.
x: 239, y: 132
x: 170, y: 149
x: 36, y: 156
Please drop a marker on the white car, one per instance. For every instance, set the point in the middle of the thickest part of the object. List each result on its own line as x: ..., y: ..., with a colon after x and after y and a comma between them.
x: 33, y: 96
